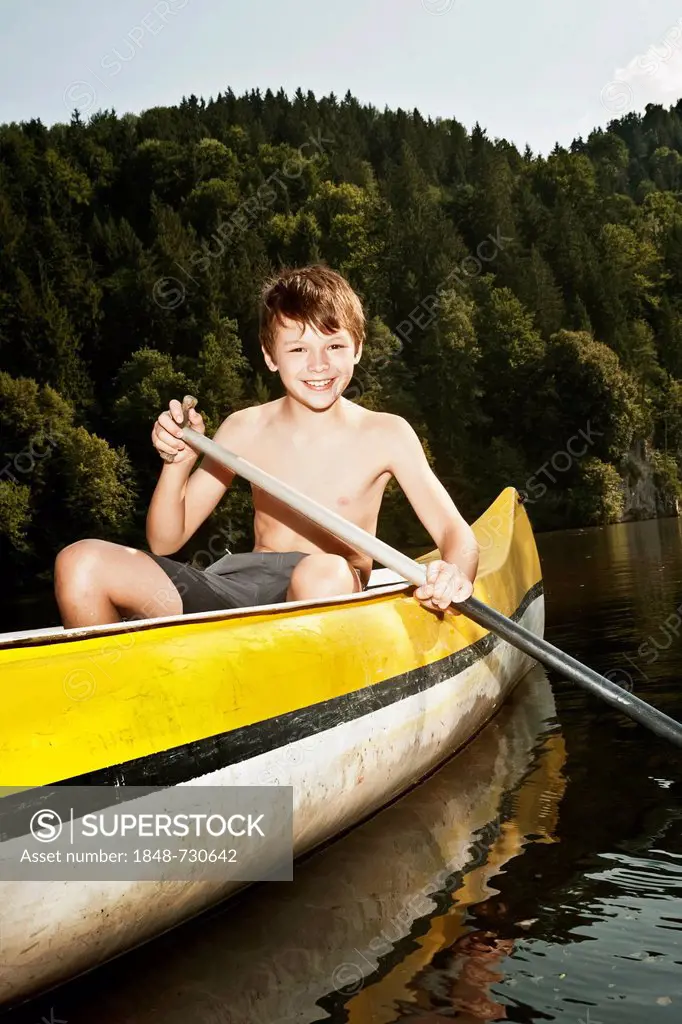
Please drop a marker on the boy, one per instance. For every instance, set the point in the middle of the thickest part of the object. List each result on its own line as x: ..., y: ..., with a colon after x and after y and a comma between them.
x: 311, y: 330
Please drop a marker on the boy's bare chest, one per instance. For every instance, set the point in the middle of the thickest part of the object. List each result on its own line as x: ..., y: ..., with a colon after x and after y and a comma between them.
x: 331, y: 475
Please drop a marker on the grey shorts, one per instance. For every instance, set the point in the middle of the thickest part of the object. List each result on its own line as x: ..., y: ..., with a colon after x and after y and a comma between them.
x: 234, y: 581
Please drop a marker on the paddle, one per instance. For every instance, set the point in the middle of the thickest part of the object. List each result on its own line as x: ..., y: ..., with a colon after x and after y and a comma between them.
x: 414, y: 572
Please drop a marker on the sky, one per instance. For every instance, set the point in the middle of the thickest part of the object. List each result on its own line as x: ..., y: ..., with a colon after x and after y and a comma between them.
x: 534, y: 72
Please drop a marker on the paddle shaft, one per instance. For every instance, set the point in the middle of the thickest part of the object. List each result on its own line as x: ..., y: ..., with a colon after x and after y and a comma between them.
x: 414, y: 572
x: 571, y: 668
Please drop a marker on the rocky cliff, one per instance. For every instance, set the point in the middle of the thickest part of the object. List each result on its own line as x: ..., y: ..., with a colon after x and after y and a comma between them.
x: 649, y: 484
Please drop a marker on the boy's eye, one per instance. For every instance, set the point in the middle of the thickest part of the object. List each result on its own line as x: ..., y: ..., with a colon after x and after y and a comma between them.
x: 336, y: 344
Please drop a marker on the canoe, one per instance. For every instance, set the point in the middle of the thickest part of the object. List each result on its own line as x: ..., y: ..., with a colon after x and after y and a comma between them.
x: 365, y: 917
x: 351, y: 701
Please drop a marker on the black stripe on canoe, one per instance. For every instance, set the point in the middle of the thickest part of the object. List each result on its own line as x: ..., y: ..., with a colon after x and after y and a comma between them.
x: 200, y: 757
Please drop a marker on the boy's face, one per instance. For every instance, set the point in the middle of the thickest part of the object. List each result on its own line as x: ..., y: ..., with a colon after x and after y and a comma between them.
x: 315, y: 368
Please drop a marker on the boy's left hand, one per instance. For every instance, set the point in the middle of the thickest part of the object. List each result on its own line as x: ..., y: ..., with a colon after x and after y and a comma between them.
x: 445, y: 583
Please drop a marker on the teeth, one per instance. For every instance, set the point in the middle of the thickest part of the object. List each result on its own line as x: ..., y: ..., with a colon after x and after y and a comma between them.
x: 319, y: 383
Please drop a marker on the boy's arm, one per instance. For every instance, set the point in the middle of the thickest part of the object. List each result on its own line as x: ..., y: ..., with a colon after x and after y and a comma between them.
x: 181, y: 503
x: 451, y: 578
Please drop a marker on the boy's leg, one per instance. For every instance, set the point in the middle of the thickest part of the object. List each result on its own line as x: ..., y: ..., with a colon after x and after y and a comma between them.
x: 97, y: 582
x: 320, y: 575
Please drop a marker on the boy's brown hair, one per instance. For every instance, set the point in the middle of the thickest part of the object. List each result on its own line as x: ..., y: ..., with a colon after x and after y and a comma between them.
x: 313, y: 295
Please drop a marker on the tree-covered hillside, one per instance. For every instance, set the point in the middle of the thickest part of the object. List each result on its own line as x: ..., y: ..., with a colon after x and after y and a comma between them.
x: 525, y: 314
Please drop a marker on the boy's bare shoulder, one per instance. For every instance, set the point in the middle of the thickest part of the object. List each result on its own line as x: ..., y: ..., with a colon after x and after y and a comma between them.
x: 245, y: 420
x: 391, y: 426
x: 370, y: 417
x: 390, y: 434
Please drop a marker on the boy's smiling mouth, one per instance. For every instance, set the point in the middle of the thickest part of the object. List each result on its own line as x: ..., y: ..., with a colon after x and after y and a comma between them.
x: 320, y: 385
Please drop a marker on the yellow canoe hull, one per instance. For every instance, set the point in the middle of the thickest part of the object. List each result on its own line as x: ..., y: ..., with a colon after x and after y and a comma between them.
x: 350, y: 701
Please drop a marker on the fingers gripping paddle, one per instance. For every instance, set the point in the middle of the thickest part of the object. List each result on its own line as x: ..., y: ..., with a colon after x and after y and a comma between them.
x: 188, y: 403
x: 414, y: 572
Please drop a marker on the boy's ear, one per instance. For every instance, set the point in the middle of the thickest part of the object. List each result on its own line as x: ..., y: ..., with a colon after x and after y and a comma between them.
x: 358, y: 354
x: 268, y: 360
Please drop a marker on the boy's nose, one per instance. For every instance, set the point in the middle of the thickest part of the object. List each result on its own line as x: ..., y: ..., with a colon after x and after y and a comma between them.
x: 319, y: 364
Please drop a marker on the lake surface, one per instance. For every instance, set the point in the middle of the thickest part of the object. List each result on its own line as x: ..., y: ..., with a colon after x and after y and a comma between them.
x: 537, y: 876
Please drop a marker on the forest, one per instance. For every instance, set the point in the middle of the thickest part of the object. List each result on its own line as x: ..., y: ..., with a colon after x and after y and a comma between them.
x: 524, y: 312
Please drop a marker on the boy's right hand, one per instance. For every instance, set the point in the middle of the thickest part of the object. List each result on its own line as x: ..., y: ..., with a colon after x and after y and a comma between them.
x: 166, y: 433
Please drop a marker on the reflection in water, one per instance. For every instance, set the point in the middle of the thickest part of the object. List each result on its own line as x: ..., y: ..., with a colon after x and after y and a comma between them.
x: 527, y: 814
x: 614, y: 589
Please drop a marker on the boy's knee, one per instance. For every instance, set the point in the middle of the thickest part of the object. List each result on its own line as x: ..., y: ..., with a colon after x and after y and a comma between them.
x: 321, y: 566
x: 78, y: 560
x: 323, y: 574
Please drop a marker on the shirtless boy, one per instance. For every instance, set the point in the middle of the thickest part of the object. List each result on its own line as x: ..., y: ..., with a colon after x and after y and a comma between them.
x: 336, y: 452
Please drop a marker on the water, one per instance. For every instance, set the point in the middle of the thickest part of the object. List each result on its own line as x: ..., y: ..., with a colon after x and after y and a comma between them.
x: 537, y: 877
